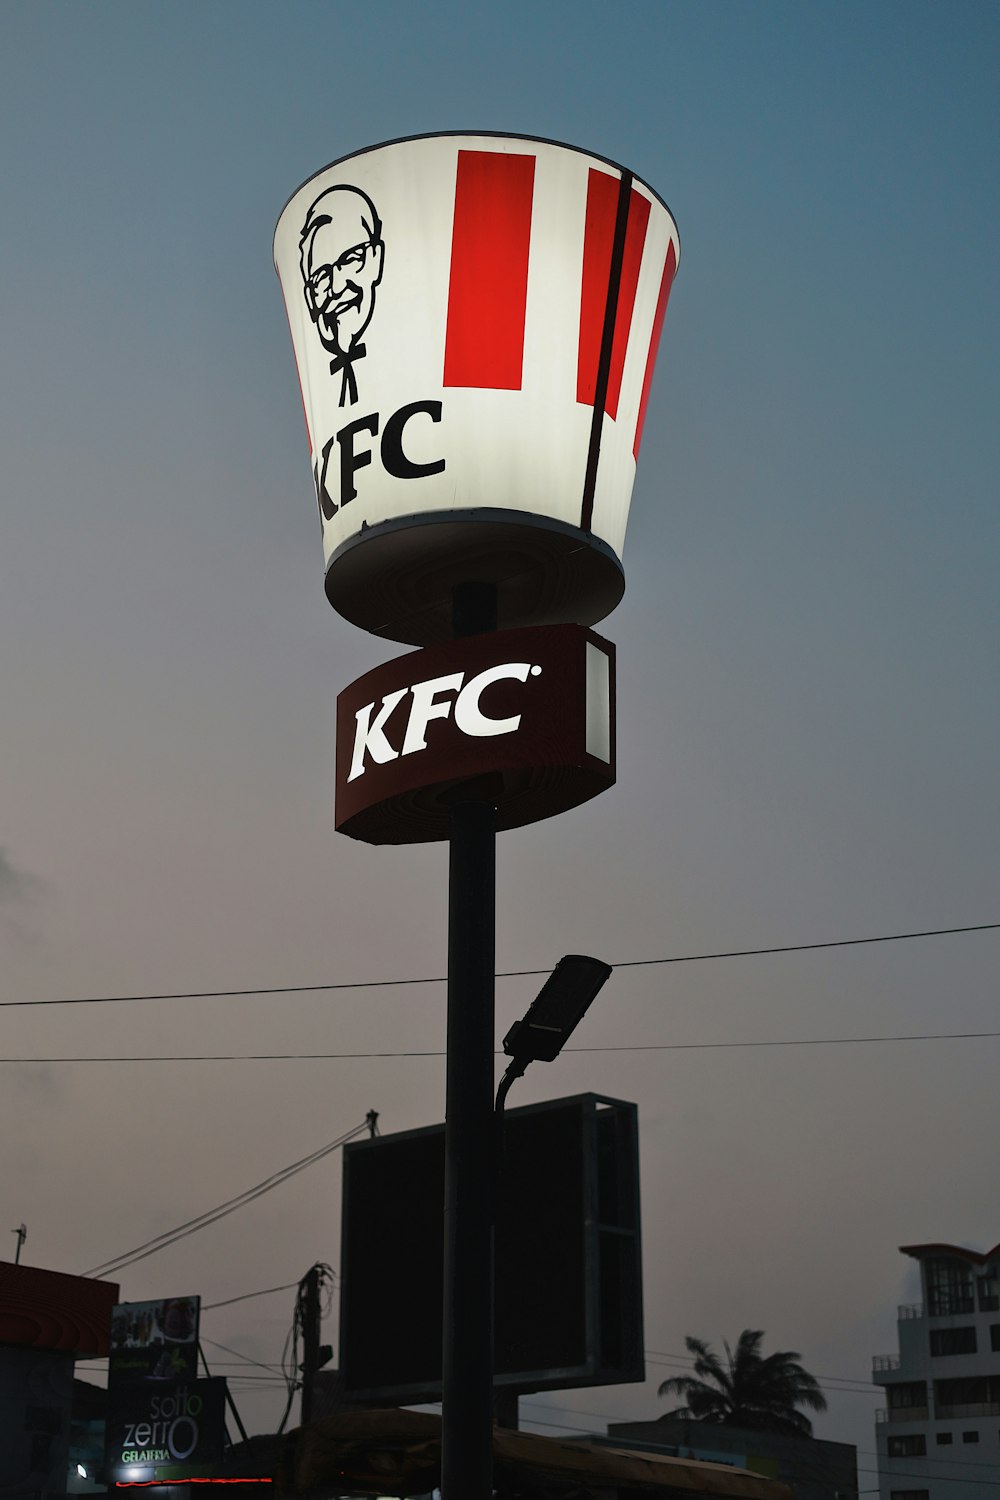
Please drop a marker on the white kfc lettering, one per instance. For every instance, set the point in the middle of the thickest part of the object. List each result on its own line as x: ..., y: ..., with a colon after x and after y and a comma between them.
x: 424, y: 709
x: 469, y: 716
x: 426, y: 704
x: 370, y: 737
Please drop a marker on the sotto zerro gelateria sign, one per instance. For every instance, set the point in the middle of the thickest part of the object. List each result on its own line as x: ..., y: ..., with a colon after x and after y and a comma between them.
x: 475, y: 321
x: 164, y: 1430
x: 522, y: 717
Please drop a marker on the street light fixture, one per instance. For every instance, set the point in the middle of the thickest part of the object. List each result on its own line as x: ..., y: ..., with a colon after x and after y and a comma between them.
x: 540, y: 1036
x: 553, y: 1016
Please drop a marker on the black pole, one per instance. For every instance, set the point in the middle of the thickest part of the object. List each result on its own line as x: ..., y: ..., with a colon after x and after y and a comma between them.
x: 229, y: 1396
x: 467, y: 1386
x: 505, y: 1400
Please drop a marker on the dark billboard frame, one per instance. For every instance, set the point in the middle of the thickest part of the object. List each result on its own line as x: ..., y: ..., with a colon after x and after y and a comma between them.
x: 568, y: 1285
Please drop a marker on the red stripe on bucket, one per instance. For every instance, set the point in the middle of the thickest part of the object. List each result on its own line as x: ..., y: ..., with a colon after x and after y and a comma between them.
x: 598, y: 240
x: 488, y: 291
x: 654, y: 343
x: 635, y: 239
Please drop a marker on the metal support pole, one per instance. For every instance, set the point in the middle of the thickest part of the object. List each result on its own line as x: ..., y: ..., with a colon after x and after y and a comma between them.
x: 505, y: 1401
x: 467, y: 1386
x: 229, y: 1398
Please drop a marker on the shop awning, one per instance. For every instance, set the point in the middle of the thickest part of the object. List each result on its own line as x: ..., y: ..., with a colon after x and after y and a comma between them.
x: 397, y: 1452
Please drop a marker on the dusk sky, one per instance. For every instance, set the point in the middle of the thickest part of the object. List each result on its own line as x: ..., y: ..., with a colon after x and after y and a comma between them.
x: 809, y: 725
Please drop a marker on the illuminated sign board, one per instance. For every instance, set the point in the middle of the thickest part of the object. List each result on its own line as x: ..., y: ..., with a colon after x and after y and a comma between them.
x: 155, y: 1340
x: 475, y: 321
x: 168, y: 1431
x: 526, y: 716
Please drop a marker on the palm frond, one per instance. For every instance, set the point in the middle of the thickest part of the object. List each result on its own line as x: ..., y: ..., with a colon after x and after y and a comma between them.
x: 747, y: 1390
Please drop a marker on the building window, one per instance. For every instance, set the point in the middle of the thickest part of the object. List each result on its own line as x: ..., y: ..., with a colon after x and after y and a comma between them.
x: 953, y: 1341
x: 914, y: 1446
x: 949, y: 1287
x: 989, y: 1291
x: 907, y: 1393
x: 943, y: 1439
x: 967, y: 1391
x: 995, y: 1337
x: 970, y: 1437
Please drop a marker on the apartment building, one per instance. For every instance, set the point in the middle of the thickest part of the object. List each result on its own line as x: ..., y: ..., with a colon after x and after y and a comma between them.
x: 938, y: 1437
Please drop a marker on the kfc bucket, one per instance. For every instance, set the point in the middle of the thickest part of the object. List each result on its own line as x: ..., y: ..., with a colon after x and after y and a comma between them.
x: 475, y: 320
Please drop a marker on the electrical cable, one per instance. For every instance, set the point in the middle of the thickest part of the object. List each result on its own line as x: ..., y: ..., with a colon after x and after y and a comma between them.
x: 271, y: 1369
x: 221, y: 1211
x: 208, y: 1306
x: 290, y: 1352
x: 833, y: 1390
x: 909, y: 1474
x: 810, y: 1041
x: 631, y: 963
x: 203, y: 1220
x: 847, y: 1384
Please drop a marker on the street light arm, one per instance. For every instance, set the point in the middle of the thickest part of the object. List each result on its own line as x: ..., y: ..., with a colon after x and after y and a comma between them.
x: 515, y: 1069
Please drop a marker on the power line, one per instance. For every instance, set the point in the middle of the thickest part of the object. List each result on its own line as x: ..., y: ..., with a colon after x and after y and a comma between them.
x: 208, y: 1306
x: 846, y: 1385
x: 272, y: 1369
x: 810, y: 1041
x: 202, y: 1221
x: 911, y: 1474
x: 630, y: 963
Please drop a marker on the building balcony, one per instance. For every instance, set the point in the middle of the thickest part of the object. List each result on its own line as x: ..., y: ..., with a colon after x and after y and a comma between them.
x: 903, y: 1414
x: 967, y: 1409
x: 882, y: 1364
x: 912, y: 1310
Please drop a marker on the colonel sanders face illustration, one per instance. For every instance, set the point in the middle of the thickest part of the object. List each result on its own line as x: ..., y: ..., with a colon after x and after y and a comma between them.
x: 341, y: 255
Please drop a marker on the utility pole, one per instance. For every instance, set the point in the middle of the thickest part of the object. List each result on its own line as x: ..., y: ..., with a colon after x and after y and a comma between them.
x: 22, y: 1235
x: 314, y: 1354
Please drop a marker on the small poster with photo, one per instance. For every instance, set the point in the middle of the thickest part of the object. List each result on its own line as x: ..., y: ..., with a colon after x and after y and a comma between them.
x: 155, y: 1340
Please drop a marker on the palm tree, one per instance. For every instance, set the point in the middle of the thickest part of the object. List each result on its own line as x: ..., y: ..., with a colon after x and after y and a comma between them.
x: 752, y: 1392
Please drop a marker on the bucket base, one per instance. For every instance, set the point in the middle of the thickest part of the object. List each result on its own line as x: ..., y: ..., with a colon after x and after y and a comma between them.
x: 396, y: 580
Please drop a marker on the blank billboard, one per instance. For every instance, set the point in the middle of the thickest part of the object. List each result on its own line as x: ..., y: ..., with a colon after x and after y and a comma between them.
x: 568, y: 1267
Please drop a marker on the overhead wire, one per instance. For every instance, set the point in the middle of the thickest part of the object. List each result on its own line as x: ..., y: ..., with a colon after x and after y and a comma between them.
x: 812, y: 1041
x: 221, y: 1211
x: 847, y: 1384
x: 271, y: 1369
x: 630, y: 963
x: 290, y: 1353
x: 162, y: 1241
x: 246, y: 1296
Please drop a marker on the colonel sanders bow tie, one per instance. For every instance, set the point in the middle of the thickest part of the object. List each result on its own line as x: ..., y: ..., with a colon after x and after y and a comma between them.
x: 344, y: 364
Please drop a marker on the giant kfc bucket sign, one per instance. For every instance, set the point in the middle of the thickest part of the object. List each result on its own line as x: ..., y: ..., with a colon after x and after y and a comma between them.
x: 475, y: 320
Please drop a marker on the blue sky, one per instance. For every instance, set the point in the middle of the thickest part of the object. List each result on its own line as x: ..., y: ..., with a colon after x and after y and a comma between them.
x: 808, y: 734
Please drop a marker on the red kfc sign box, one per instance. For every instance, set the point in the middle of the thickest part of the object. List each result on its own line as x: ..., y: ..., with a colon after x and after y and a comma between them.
x: 524, y: 718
